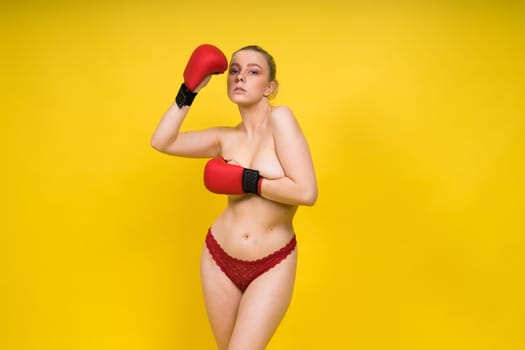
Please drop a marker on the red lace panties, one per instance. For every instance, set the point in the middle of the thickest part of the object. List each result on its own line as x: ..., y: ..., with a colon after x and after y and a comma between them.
x: 243, y: 272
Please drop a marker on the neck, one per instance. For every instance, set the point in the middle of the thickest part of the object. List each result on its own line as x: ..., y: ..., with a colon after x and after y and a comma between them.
x: 254, y: 116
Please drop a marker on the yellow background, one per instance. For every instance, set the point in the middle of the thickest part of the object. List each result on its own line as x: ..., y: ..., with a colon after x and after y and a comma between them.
x: 415, y: 118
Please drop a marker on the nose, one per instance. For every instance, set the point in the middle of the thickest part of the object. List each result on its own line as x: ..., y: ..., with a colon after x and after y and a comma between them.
x: 239, y: 77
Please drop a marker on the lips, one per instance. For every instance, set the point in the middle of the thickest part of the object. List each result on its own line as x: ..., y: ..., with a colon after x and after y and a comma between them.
x: 238, y: 89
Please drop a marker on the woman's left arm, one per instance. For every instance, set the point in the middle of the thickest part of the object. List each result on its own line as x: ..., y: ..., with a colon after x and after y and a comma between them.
x: 299, y: 185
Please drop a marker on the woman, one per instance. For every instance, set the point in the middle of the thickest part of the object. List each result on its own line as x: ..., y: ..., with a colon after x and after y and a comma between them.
x: 264, y: 166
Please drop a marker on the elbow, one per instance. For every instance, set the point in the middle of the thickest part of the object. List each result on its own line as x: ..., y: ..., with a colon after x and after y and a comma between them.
x: 154, y: 142
x: 309, y: 197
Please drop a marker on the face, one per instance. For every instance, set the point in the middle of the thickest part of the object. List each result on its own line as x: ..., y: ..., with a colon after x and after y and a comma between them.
x: 248, y: 78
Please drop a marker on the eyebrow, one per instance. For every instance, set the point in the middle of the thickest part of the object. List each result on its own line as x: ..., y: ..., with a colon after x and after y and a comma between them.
x: 248, y: 65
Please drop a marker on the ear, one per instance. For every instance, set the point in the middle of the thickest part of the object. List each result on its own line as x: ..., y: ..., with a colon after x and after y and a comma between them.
x: 270, y: 89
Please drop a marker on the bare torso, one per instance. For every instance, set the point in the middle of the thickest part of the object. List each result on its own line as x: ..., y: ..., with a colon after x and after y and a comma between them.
x: 251, y: 227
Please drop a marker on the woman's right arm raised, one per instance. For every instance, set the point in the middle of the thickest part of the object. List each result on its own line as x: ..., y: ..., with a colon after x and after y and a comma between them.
x: 167, y: 138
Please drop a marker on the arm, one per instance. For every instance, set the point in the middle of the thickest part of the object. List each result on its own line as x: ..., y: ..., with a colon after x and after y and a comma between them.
x: 299, y: 185
x: 167, y: 138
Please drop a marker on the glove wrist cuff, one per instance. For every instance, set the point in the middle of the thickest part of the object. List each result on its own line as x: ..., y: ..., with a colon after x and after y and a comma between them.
x: 185, y: 96
x: 250, y: 181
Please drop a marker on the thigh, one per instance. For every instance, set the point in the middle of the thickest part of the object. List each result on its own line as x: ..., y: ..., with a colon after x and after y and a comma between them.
x: 263, y: 306
x: 221, y: 298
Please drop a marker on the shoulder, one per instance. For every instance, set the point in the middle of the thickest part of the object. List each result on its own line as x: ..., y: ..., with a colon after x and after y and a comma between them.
x: 221, y: 133
x: 281, y: 111
x: 283, y: 117
x: 223, y: 130
x: 227, y: 133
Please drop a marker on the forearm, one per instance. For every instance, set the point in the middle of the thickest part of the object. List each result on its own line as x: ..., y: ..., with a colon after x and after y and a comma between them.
x: 204, y: 61
x: 169, y: 127
x: 285, y: 190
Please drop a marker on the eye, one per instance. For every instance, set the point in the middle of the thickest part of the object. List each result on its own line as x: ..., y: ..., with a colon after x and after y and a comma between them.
x: 234, y: 71
x: 253, y: 72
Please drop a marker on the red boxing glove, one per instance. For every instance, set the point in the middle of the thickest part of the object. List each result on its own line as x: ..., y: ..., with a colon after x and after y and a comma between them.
x: 223, y: 178
x: 205, y: 60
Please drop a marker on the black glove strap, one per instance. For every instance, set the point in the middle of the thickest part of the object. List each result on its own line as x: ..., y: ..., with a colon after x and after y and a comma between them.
x: 250, y: 180
x: 185, y: 96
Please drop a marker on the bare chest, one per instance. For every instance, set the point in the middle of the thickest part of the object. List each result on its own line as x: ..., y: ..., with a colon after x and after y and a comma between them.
x: 257, y: 153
